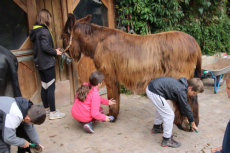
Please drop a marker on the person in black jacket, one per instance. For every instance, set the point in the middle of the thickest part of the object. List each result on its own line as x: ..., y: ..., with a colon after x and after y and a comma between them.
x: 162, y: 88
x: 44, y: 58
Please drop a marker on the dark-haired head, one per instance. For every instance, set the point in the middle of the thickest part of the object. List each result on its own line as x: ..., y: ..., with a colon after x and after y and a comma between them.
x: 37, y: 114
x: 96, y: 78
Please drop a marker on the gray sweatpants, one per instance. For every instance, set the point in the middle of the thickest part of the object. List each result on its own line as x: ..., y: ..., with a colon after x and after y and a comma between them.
x: 164, y: 113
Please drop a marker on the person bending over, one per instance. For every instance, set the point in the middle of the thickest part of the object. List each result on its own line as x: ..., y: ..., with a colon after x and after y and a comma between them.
x: 162, y: 88
x: 14, y: 112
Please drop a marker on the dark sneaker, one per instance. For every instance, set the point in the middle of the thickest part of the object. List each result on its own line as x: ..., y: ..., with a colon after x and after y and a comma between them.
x: 157, y: 129
x: 170, y: 143
x: 88, y: 127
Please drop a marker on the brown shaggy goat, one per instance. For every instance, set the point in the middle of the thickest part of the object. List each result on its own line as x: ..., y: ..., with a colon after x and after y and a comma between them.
x: 133, y: 60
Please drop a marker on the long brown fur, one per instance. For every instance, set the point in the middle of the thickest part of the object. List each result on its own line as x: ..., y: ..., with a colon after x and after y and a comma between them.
x: 133, y: 60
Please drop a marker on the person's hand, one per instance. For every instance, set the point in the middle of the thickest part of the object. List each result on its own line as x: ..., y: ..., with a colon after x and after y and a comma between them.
x: 112, y: 101
x: 41, y: 146
x: 58, y: 51
x: 213, y: 150
x: 26, y: 145
x: 194, y: 127
x: 107, y: 119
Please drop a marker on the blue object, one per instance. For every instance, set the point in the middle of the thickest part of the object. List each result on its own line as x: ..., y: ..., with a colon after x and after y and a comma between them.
x: 217, y: 79
x: 111, y: 118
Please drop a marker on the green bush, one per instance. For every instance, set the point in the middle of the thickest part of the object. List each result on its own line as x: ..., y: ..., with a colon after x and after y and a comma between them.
x: 125, y: 91
x: 206, y: 20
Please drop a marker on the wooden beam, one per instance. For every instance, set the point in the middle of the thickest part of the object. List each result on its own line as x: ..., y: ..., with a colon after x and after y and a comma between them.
x: 58, y: 22
x: 67, y: 7
x: 57, y: 16
x: 75, y: 2
x: 21, y: 4
x: 64, y: 11
x: 105, y: 2
x: 70, y: 6
x: 72, y: 74
x: 48, y: 6
x: 31, y: 12
x: 111, y: 14
x: 40, y: 5
x: 27, y: 44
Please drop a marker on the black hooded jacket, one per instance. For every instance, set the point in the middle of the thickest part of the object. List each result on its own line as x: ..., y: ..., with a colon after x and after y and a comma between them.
x: 43, y: 44
x: 173, y: 89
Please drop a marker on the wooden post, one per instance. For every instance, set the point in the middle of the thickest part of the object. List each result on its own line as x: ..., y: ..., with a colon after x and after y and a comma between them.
x: 111, y: 14
x: 105, y: 2
x: 64, y: 11
x: 70, y: 6
x: 21, y: 5
x: 31, y: 12
x: 67, y: 7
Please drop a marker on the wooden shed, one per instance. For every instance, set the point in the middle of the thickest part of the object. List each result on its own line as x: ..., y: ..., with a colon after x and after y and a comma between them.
x: 27, y: 74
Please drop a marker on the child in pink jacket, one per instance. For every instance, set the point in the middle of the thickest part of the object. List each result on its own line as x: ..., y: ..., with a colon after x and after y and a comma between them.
x: 86, y: 107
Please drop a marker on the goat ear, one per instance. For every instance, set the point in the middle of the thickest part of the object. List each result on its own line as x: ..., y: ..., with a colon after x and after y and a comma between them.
x: 85, y: 19
x: 69, y: 23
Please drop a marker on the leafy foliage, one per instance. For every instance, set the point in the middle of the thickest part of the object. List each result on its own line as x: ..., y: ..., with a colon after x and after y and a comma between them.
x: 125, y: 91
x: 206, y: 20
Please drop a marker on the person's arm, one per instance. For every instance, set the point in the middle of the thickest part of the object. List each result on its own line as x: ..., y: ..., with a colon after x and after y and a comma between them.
x: 104, y: 101
x: 31, y: 132
x: 186, y: 109
x: 9, y: 134
x: 107, y: 102
x: 46, y: 46
x: 184, y: 106
x: 95, y: 106
x: 213, y: 150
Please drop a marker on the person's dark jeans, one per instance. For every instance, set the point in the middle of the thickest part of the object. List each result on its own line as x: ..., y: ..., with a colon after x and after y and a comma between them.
x: 20, y: 132
x: 48, y: 94
x: 226, y: 140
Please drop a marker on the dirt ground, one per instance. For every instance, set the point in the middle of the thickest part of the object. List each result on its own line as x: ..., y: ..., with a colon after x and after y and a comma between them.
x: 131, y: 133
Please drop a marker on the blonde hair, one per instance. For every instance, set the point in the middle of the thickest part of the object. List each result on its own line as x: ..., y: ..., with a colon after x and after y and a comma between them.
x: 44, y: 17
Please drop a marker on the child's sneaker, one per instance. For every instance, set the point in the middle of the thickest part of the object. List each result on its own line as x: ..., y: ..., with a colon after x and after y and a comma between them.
x: 56, y: 115
x: 170, y: 142
x: 88, y: 127
x: 157, y: 129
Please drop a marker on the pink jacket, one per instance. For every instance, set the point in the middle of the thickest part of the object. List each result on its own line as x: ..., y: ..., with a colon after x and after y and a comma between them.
x: 89, y: 109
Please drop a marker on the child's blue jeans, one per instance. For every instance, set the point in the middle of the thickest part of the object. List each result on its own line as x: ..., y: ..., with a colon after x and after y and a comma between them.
x: 226, y: 141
